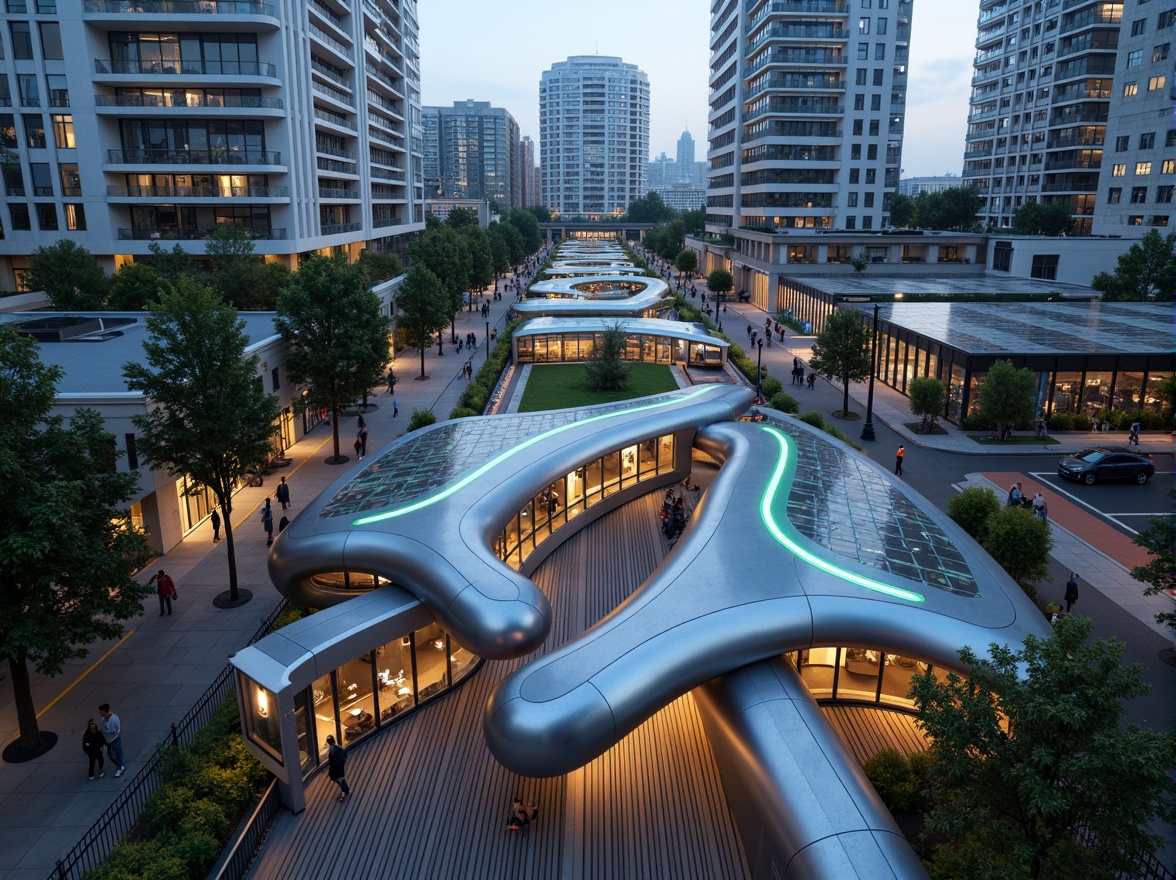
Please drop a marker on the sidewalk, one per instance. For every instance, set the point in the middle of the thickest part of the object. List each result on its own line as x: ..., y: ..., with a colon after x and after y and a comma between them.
x: 162, y: 666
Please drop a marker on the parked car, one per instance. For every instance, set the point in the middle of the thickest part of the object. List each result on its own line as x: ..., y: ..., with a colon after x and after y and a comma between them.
x: 1106, y: 463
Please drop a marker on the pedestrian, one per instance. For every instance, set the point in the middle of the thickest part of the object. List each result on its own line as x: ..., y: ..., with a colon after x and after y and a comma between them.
x: 282, y: 493
x: 337, y: 767
x: 166, y: 588
x: 1133, y: 437
x: 360, y: 424
x: 214, y: 518
x: 391, y: 381
x: 898, y: 457
x: 358, y: 445
x: 267, y: 523
x: 1039, y: 506
x: 812, y: 380
x: 92, y: 743
x: 1071, y: 591
x: 1014, y: 499
x: 395, y: 407
x: 282, y: 523
x: 111, y: 729
x: 363, y: 443
x: 521, y: 815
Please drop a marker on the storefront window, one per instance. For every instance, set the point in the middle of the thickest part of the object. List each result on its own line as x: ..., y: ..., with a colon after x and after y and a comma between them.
x: 394, y: 678
x: 432, y: 667
x: 974, y: 392
x: 574, y: 493
x: 628, y: 465
x: 261, y: 716
x: 955, y: 392
x: 1065, y: 392
x: 196, y: 502
x: 896, y: 679
x: 858, y: 676
x: 302, y: 726
x: 526, y: 349
x: 933, y: 365
x: 593, y: 482
x: 1153, y: 397
x: 461, y: 661
x: 1128, y: 390
x: 612, y: 473
x: 357, y: 705
x: 322, y: 694
x: 817, y: 667
x: 1096, y: 393
x: 891, y: 377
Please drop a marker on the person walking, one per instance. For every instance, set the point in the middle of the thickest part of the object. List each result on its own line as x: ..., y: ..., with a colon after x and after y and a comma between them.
x: 166, y: 588
x: 363, y: 443
x: 111, y: 728
x: 282, y: 493
x: 1071, y: 595
x: 357, y: 445
x: 337, y: 767
x: 391, y: 381
x: 282, y: 523
x: 898, y: 457
x: 395, y: 407
x: 214, y: 518
x: 1040, y: 508
x: 92, y: 743
x: 1133, y: 437
x: 267, y: 523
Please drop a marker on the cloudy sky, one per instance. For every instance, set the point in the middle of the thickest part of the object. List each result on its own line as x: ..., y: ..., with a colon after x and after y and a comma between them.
x: 497, y: 51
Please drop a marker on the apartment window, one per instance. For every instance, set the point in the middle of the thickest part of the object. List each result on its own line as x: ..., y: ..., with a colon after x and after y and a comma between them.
x: 75, y: 216
x: 857, y: 127
x: 872, y: 152
x: 851, y: 200
x: 34, y: 130
x: 1142, y: 168
x: 880, y: 27
x: 63, y: 131
x: 871, y: 175
x: 1138, y: 195
x: 855, y: 151
x: 1164, y: 195
x: 1114, y: 195
x: 859, y: 102
x: 1122, y: 143
x: 1135, y: 58
x: 1002, y: 256
x: 22, y: 41
x: 879, y: 51
x: 13, y: 180
x: 1044, y: 266
x: 47, y: 217
x: 875, y: 102
x: 8, y: 131
x: 854, y: 174
x: 42, y: 179
x: 1156, y: 82
x: 873, y: 128
x: 19, y: 215
x: 851, y: 222
x: 867, y: 222
x: 1138, y: 26
x: 1168, y: 166
x: 863, y: 52
x: 1119, y: 169
x: 863, y: 26
x: 51, y: 41
x: 58, y: 90
x: 1147, y: 140
x: 47, y: 7
x: 868, y: 200
x: 860, y: 76
x: 1170, y: 138
x: 71, y: 181
x: 878, y: 74
x: 1160, y: 53
x: 1165, y: 19
x: 30, y: 95
x: 1134, y: 219
x: 1130, y: 89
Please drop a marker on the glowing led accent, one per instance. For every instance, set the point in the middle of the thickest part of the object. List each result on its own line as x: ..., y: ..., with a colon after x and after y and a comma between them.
x: 811, y: 558
x: 514, y: 450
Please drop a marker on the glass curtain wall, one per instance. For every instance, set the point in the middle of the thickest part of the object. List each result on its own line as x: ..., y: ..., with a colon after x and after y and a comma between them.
x: 865, y: 675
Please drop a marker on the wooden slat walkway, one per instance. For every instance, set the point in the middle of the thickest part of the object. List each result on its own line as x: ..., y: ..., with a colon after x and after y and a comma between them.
x: 867, y: 730
x: 429, y: 801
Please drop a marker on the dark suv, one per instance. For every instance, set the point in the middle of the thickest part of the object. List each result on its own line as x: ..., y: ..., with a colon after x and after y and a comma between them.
x: 1106, y: 463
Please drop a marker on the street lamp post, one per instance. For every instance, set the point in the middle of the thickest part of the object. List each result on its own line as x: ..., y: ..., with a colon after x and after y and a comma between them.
x: 759, y: 372
x: 868, y: 427
x: 487, y: 340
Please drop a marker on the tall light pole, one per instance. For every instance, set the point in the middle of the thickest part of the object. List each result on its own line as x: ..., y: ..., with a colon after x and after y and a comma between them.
x: 759, y: 371
x: 868, y: 427
x: 487, y: 340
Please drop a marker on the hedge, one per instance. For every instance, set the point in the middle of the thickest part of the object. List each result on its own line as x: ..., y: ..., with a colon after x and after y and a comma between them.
x: 421, y: 418
x: 474, y: 399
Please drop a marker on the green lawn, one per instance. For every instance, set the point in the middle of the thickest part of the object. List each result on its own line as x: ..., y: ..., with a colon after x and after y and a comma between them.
x: 560, y: 386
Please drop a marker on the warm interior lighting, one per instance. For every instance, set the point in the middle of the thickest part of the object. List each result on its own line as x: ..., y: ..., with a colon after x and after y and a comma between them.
x: 262, y: 703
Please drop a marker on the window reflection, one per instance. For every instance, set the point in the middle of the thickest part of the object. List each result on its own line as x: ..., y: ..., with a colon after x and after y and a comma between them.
x: 357, y: 705
x: 261, y: 716
x: 868, y: 675
x: 323, y: 703
x: 432, y: 667
x: 394, y: 678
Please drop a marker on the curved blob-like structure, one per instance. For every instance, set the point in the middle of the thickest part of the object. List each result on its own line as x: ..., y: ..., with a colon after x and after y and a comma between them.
x: 760, y: 572
x: 599, y: 286
x: 424, y: 512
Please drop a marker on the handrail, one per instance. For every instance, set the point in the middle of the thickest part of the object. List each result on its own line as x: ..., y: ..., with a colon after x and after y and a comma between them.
x: 251, y: 835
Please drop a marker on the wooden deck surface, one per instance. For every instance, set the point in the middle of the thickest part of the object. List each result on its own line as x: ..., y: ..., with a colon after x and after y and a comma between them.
x: 868, y: 730
x: 429, y: 801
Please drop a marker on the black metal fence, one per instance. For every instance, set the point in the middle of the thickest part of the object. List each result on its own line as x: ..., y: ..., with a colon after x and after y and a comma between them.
x: 251, y: 835
x: 121, y: 816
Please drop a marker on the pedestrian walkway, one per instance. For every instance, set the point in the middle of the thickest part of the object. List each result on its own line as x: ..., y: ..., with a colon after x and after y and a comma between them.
x: 162, y: 665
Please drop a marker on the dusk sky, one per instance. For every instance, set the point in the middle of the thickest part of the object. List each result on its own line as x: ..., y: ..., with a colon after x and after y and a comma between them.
x: 496, y: 52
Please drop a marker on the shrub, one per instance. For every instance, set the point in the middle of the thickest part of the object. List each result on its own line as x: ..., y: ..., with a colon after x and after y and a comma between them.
x: 834, y: 431
x: 784, y: 403
x: 971, y: 508
x: 463, y: 412
x: 421, y: 418
x: 1063, y: 422
x: 1081, y: 422
x: 1020, y: 543
x: 813, y: 418
x: 890, y: 773
x: 771, y: 387
x: 976, y: 422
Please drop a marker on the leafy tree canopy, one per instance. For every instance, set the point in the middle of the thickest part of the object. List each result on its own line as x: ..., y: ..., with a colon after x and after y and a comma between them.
x: 528, y: 226
x: 1159, y: 539
x: 499, y: 248
x: 459, y: 217
x: 951, y: 209
x: 445, y: 253
x: 135, y: 287
x: 1034, y: 218
x: 422, y: 309
x: 927, y: 396
x: 902, y: 211
x: 477, y: 245
x: 66, y: 538
x: 1006, y: 397
x: 1147, y: 271
x: 1020, y: 542
x: 1031, y: 747
x: 719, y: 282
x: 540, y: 212
x: 842, y: 350
x: 172, y: 264
x: 971, y: 508
x: 69, y: 275
x: 379, y: 267
x: 605, y: 368
x: 650, y: 208
x: 686, y: 261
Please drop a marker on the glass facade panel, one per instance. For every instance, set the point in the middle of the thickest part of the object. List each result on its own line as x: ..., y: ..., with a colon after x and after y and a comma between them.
x: 1128, y: 390
x: 628, y: 466
x: 261, y: 716
x: 430, y: 647
x: 574, y: 492
x: 817, y: 667
x: 1096, y: 393
x: 1153, y: 399
x: 1065, y: 392
x: 857, y: 678
x: 461, y: 661
x: 977, y: 382
x: 897, y: 673
x: 593, y: 481
x: 323, y: 696
x: 612, y: 473
x: 302, y: 725
x: 394, y: 678
x: 955, y: 392
x: 357, y: 704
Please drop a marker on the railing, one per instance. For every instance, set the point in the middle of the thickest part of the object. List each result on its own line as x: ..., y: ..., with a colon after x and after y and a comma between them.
x: 199, y: 192
x: 327, y: 13
x: 334, y: 165
x: 185, y: 68
x: 250, y: 102
x: 332, y: 150
x: 333, y: 93
x: 180, y: 7
x: 122, y: 815
x: 251, y: 836
x: 333, y: 118
x: 325, y: 38
x: 334, y: 193
x: 194, y: 157
x: 339, y: 228
x: 182, y: 233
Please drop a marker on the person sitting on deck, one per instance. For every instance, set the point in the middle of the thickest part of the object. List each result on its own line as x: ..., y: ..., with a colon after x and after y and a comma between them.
x: 521, y: 815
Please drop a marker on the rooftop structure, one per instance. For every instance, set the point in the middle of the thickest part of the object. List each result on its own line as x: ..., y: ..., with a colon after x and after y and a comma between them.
x: 565, y: 339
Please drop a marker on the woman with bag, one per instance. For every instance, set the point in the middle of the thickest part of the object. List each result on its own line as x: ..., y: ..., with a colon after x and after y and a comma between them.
x: 92, y: 744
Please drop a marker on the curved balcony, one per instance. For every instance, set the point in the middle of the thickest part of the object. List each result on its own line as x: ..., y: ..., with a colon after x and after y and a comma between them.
x: 217, y: 156
x: 243, y: 15
x: 198, y: 192
x: 193, y: 234
x: 127, y: 105
x: 184, y: 68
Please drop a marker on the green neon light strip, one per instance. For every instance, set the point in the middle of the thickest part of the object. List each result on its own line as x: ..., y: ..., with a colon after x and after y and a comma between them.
x: 510, y: 453
x: 793, y: 547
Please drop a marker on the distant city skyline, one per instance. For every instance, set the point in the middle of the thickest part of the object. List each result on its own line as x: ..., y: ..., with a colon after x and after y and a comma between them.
x: 469, y: 52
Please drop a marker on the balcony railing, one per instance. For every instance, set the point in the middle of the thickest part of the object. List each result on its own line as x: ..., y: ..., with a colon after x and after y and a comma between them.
x: 185, y: 68
x: 170, y: 99
x: 326, y: 192
x: 819, y: 7
x: 332, y: 150
x: 382, y: 222
x: 194, y: 157
x: 193, y: 234
x: 325, y: 38
x: 179, y: 7
x: 334, y: 94
x: 335, y: 166
x: 199, y: 192
x: 338, y: 228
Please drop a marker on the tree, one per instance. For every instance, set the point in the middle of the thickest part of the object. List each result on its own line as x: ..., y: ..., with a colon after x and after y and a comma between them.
x: 650, y: 208
x: 1035, y: 218
x: 515, y: 244
x: 719, y: 282
x: 1006, y: 397
x: 173, y: 264
x: 69, y: 275
x: 209, y: 418
x: 927, y: 395
x: 422, y: 309
x: 67, y: 541
x: 1020, y: 542
x: 1147, y: 271
x: 528, y: 226
x: 499, y: 248
x: 337, y: 337
x: 230, y: 251
x: 605, y: 369
x: 954, y: 208
x: 481, y: 258
x: 378, y: 267
x: 445, y: 253
x: 971, y: 508
x: 686, y: 261
x: 541, y: 213
x: 135, y: 287
x: 1030, y: 750
x: 842, y: 350
x: 459, y: 217
x: 902, y: 210
x: 1159, y: 539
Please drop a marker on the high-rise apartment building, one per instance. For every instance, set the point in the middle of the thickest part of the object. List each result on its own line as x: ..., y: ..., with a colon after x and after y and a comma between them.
x: 807, y: 107
x: 1070, y: 105
x: 134, y: 123
x: 529, y: 173
x: 472, y: 152
x: 685, y: 157
x: 593, y: 135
